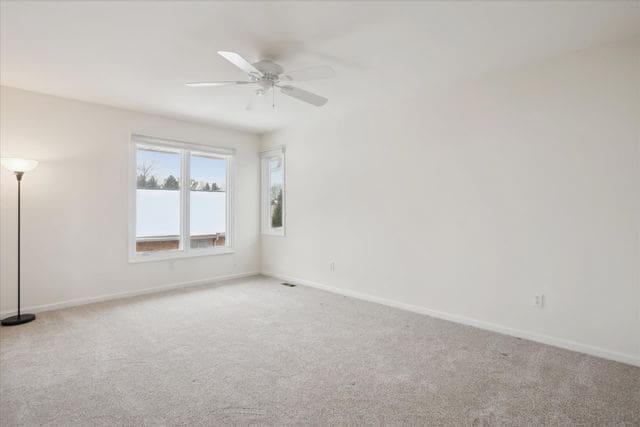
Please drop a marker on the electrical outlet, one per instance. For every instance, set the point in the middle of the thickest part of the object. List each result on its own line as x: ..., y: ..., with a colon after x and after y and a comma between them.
x: 332, y: 266
x: 538, y: 301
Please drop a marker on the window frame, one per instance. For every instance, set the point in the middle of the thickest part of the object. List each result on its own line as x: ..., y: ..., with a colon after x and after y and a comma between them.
x: 185, y: 150
x: 265, y: 191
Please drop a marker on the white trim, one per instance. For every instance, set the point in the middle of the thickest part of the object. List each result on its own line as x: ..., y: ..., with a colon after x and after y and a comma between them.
x: 273, y: 151
x: 494, y: 327
x: 174, y: 143
x: 157, y: 238
x: 128, y: 294
x: 180, y: 254
x: 230, y: 196
x: 131, y: 210
x: 278, y: 232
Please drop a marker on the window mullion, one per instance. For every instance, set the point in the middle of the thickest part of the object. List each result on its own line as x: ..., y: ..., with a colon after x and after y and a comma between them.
x: 265, y: 195
x: 185, y: 192
x: 269, y: 225
x: 228, y: 221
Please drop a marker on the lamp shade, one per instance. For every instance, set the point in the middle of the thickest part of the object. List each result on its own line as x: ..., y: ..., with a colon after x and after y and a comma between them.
x: 18, y: 165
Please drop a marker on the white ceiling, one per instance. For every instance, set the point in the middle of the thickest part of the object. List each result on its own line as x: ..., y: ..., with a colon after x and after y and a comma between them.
x: 138, y: 55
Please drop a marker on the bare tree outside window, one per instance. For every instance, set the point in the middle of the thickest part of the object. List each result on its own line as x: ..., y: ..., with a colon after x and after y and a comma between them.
x: 276, y: 206
x: 145, y: 173
x: 275, y: 190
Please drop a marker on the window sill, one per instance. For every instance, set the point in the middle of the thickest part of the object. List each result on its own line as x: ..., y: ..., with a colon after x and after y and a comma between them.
x: 173, y: 255
x: 273, y: 233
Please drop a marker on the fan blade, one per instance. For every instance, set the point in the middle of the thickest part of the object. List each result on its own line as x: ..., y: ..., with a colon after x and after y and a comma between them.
x: 209, y: 84
x: 303, y: 95
x: 311, y: 73
x: 241, y: 63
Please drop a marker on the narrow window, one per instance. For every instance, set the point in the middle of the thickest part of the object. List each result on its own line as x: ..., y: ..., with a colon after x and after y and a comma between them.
x: 182, y: 199
x: 208, y: 207
x: 273, y: 192
x: 157, y: 200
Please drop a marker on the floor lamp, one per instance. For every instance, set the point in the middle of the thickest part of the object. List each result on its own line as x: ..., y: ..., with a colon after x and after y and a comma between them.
x: 18, y: 167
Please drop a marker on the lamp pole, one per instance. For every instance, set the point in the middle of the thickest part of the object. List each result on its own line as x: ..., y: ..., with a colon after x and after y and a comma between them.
x: 19, y: 178
x: 19, y: 318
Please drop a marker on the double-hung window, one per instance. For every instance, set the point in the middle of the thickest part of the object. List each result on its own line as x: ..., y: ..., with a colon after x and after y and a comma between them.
x: 181, y: 199
x: 273, y: 191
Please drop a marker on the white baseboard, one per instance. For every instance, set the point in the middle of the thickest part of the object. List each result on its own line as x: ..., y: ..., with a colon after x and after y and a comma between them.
x: 118, y: 295
x: 532, y: 336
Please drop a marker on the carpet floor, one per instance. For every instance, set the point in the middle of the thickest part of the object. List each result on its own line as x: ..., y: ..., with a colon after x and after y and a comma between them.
x: 252, y: 351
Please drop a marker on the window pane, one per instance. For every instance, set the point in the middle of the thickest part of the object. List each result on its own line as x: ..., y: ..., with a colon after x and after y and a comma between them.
x: 275, y: 192
x: 208, y: 205
x: 157, y: 200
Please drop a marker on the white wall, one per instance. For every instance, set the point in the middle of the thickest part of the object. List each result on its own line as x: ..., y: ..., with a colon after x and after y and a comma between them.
x: 467, y: 202
x: 74, y: 222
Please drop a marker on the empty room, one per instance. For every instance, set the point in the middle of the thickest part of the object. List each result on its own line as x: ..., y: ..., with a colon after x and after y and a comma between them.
x: 320, y: 213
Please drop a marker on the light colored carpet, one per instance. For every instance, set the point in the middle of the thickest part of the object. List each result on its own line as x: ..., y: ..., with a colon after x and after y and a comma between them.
x: 255, y: 352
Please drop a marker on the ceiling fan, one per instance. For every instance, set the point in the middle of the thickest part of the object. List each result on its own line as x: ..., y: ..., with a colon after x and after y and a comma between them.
x: 268, y: 75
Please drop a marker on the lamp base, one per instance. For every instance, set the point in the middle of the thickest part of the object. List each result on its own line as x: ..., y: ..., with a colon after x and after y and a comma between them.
x: 18, y: 320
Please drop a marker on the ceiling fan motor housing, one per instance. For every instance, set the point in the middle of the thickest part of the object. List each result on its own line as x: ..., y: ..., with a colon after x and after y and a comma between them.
x: 270, y: 69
